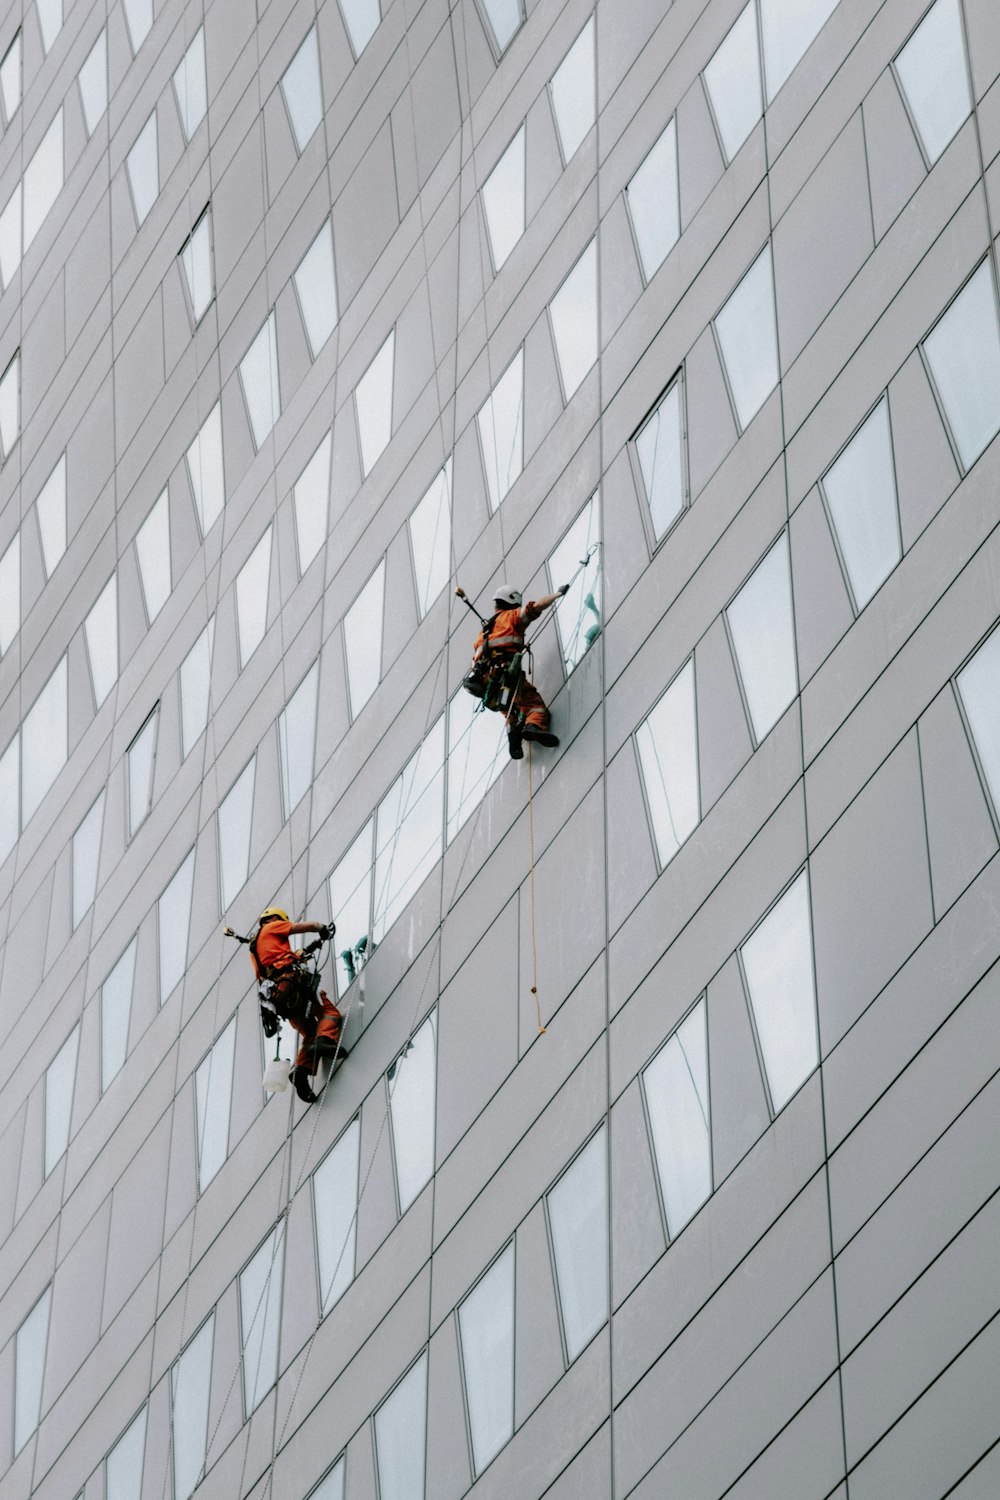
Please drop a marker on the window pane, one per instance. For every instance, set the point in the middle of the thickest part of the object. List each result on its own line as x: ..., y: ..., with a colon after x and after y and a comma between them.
x: 654, y: 203
x: 235, y: 819
x: 252, y: 583
x: 477, y: 753
x: 503, y: 200
x: 196, y: 687
x: 411, y: 1105
x: 748, y: 340
x: 501, y: 434
x: 676, y: 1086
x: 152, y: 549
x: 116, y: 1010
x: 60, y: 1077
x: 363, y: 641
x: 361, y: 17
x: 316, y: 284
x: 259, y: 378
x: 778, y: 963
x: 213, y: 1086
x: 93, y: 81
x: 860, y: 490
x: 206, y: 472
x: 86, y: 859
x: 659, y: 449
x: 400, y: 1437
x: 574, y: 321
x: 141, y: 759
x: 101, y: 632
x: 486, y: 1322
x: 10, y: 593
x: 303, y: 91
x: 139, y: 14
x: 260, y: 1318
x: 789, y: 27
x: 10, y: 766
x: 311, y: 498
x: 43, y: 179
x: 979, y: 686
x: 430, y: 539
x: 933, y: 72
x: 124, y: 1462
x: 196, y: 260
x: 335, y: 1203
x: 10, y: 237
x: 408, y: 830
x: 963, y: 352
x: 173, y: 918
x: 668, y: 755
x: 350, y: 903
x: 190, y: 1389
x: 760, y: 619
x: 10, y: 406
x: 10, y: 78
x: 332, y: 1487
x: 297, y: 741
x: 191, y: 86
x: 51, y: 509
x: 733, y: 82
x: 29, y: 1369
x: 50, y: 19
x: 574, y: 94
x: 144, y: 170
x: 578, y: 1218
x: 373, y: 400
x: 43, y: 742
x: 577, y: 561
x: 504, y: 17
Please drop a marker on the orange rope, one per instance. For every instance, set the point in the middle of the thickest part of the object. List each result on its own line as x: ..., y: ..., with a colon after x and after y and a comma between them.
x: 534, y: 948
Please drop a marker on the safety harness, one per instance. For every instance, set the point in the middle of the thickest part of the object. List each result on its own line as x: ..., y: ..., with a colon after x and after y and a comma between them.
x: 497, y: 671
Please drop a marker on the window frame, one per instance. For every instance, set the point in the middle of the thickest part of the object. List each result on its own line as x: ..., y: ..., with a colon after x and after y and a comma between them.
x: 640, y: 259
x: 828, y: 509
x: 491, y: 36
x: 986, y: 259
x: 653, y: 542
x: 904, y: 95
x: 324, y: 1311
x: 650, y: 823
x: 511, y: 1245
x: 193, y: 315
x: 602, y: 1125
x: 702, y: 999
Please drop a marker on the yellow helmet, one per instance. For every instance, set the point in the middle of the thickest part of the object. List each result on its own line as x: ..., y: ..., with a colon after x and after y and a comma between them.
x: 272, y: 914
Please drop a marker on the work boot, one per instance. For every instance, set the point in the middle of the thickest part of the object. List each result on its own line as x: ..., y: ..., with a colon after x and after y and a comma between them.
x: 540, y: 736
x: 326, y: 1047
x: 515, y: 734
x: 302, y: 1086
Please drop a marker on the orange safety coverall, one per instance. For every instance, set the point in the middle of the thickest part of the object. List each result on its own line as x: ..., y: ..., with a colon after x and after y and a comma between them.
x: 273, y: 959
x: 506, y: 638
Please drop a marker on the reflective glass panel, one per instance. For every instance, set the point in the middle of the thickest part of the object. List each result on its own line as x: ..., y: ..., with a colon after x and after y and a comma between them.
x: 10, y: 593
x: 116, y: 1010
x: 412, y: 1079
x: 93, y: 81
x: 430, y: 539
x: 139, y: 15
x: 860, y: 490
x: 351, y: 902
x: 141, y: 759
x: 297, y: 741
x: 577, y: 561
x: 10, y: 236
x: 205, y: 470
x: 654, y: 203
x: 44, y: 745
x: 303, y: 90
x: 86, y: 860
x: 332, y: 1487
x: 152, y: 549
x: 361, y: 17
x: 316, y: 284
x: 408, y: 830
x: 10, y: 78
x: 335, y: 1203
x: 363, y: 640
x: 401, y: 1437
x: 123, y: 1466
x: 311, y: 501
x: 504, y: 17
x: 10, y: 406
x: 259, y: 378
x: 191, y: 86
x: 50, y: 19
x: 501, y: 431
x: 578, y: 1220
x: 43, y: 179
x: 100, y: 629
x: 979, y: 686
x: 963, y: 352
x: 29, y: 1369
x: 503, y: 200
x: 733, y: 82
x: 144, y: 170
x: 235, y: 819
x: 676, y: 1087
x: 935, y: 79
x: 477, y: 753
x: 50, y: 508
x: 763, y: 632
x: 252, y: 583
x: 748, y: 339
x: 486, y: 1323
x: 778, y: 964
x: 260, y: 1318
x: 196, y: 260
x: 789, y: 26
x: 190, y: 1391
x: 668, y: 755
x: 659, y: 448
x: 196, y: 688
x: 574, y: 99
x: 173, y: 920
x: 574, y: 321
x: 213, y: 1087
x: 10, y: 767
x: 373, y: 401
x: 60, y: 1076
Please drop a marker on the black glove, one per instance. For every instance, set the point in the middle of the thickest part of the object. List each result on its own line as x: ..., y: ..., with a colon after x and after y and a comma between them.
x: 326, y: 932
x: 564, y: 589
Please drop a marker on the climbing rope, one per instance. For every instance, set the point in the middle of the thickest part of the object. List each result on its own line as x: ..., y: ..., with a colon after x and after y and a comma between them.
x: 534, y: 946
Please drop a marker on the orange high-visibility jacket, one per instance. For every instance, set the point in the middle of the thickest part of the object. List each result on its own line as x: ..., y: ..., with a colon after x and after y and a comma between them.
x: 271, y: 949
x: 508, y: 629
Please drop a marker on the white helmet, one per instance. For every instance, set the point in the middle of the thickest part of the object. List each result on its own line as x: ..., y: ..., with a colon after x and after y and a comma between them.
x: 507, y: 596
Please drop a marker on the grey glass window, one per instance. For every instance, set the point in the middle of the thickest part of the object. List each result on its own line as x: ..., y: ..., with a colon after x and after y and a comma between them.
x: 979, y: 687
x: 777, y: 961
x: 789, y: 27
x: 86, y: 859
x: 123, y: 1465
x: 60, y: 1077
x: 196, y: 689
x: 430, y: 539
x: 677, y: 1101
x: 934, y: 74
x: 748, y: 339
x: 43, y: 179
x: 373, y: 403
x: 316, y: 285
x: 412, y: 1081
x: 152, y: 550
x: 963, y: 352
x: 50, y: 19
x: 10, y: 78
x: 659, y: 449
x: 44, y: 742
x: 332, y: 1486
x: 196, y: 262
x: 93, y: 82
x: 144, y: 170
x: 654, y: 203
x: 503, y: 200
x: 763, y: 634
x: 350, y: 903
x: 141, y: 756
x: 500, y: 421
x: 10, y: 769
x: 206, y: 471
x: 100, y: 630
x: 235, y: 819
x: 303, y: 90
x: 732, y: 79
x: 173, y: 921
x: 401, y: 1437
x: 10, y: 593
x: 860, y: 490
x: 297, y: 740
x: 50, y: 508
x: 361, y: 17
x: 10, y: 406
x: 574, y: 95
x: 116, y: 1011
x: 573, y: 311
x: 486, y: 1328
x: 252, y: 582
x: 191, y: 85
x: 477, y: 753
x: 408, y: 830
x: 311, y: 502
x: 578, y: 1224
x: 190, y: 1392
x: 667, y: 742
x: 30, y: 1345
x: 260, y: 1318
x: 213, y: 1087
x: 363, y: 640
x: 335, y: 1205
x: 577, y: 561
x: 10, y: 236
x: 139, y: 14
x: 259, y: 378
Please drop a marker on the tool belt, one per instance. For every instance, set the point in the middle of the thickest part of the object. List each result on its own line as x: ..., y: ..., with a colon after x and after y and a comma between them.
x: 288, y: 995
x: 494, y: 679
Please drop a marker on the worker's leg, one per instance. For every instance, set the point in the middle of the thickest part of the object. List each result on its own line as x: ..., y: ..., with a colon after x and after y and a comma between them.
x: 327, y: 1042
x: 532, y: 705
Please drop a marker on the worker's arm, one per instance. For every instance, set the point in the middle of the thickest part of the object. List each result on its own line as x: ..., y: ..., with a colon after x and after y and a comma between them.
x: 534, y: 607
x: 294, y: 927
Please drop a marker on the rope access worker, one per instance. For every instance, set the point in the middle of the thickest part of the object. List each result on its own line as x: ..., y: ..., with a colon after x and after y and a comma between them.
x: 289, y: 991
x: 527, y: 715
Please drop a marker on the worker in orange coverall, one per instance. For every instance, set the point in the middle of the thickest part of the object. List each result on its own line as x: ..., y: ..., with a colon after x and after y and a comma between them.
x: 289, y: 992
x: 527, y: 716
